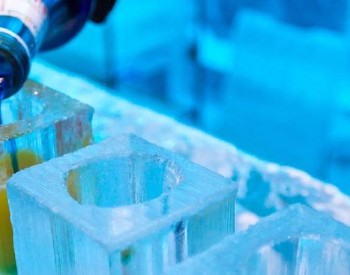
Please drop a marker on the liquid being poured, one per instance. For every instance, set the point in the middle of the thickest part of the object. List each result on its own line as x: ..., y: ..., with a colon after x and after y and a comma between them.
x: 2, y: 93
x: 7, y: 258
x: 12, y: 147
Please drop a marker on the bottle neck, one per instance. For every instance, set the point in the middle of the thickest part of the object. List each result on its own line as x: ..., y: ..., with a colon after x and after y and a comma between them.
x: 14, y: 27
x: 22, y: 26
x: 14, y: 63
x: 23, y: 31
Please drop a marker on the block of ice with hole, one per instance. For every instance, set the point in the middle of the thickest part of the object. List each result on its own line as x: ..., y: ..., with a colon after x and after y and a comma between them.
x: 37, y: 124
x: 296, y: 240
x: 123, y: 206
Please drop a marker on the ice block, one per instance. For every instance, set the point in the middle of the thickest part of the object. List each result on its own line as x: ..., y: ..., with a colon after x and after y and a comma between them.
x: 297, y: 240
x: 38, y: 124
x: 123, y: 206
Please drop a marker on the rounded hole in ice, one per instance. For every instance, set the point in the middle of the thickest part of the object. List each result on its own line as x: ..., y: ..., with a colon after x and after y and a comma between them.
x: 117, y: 181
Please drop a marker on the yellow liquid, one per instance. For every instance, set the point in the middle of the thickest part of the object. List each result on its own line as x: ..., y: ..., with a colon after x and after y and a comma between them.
x: 25, y: 159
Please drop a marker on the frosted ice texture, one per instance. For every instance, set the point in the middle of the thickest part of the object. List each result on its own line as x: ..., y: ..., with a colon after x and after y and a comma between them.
x: 123, y: 206
x: 38, y: 124
x: 276, y: 186
x: 244, y: 218
x: 297, y: 240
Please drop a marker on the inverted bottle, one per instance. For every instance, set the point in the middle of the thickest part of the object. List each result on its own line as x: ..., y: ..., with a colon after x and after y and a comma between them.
x: 29, y: 26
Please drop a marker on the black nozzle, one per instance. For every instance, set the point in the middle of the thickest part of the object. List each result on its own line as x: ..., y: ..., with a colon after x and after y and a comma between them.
x: 14, y: 65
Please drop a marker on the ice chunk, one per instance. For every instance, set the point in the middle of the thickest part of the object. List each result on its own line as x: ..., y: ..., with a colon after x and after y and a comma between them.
x: 267, y: 188
x: 297, y: 240
x: 38, y: 124
x: 122, y: 206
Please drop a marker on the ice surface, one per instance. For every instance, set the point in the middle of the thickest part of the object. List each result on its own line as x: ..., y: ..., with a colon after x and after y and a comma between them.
x: 123, y: 206
x: 277, y: 76
x: 38, y: 124
x: 275, y: 186
x: 220, y: 15
x: 297, y: 240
